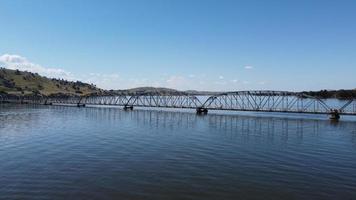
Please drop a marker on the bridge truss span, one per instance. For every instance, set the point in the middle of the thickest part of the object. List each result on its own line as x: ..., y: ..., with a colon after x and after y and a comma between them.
x: 349, y: 108
x: 267, y: 101
x: 168, y: 101
x: 178, y: 101
x: 105, y: 100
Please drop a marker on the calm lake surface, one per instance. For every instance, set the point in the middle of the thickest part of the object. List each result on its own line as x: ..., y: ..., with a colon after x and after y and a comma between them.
x: 54, y: 152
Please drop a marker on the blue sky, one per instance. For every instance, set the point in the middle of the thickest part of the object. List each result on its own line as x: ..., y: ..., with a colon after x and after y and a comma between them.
x: 184, y: 44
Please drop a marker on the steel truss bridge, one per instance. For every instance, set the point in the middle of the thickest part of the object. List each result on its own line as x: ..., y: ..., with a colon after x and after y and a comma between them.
x: 256, y: 101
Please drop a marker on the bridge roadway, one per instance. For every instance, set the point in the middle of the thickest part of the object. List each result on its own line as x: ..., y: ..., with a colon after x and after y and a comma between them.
x: 257, y: 101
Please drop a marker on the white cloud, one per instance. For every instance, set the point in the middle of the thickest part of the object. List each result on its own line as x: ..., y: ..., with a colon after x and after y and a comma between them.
x: 21, y: 63
x: 248, y: 67
x: 176, y: 82
x: 220, y: 82
x: 101, y: 80
x: 107, y: 80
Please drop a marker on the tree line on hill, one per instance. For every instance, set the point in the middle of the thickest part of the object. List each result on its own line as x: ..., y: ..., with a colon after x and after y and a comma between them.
x: 337, y: 94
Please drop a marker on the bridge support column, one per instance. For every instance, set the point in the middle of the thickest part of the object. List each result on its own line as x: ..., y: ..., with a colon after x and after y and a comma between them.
x: 46, y: 103
x: 128, y: 107
x: 334, y: 115
x: 202, y: 111
x: 80, y: 105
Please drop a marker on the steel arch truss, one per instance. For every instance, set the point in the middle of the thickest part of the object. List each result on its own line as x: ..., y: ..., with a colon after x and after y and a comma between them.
x: 267, y: 101
x: 349, y: 108
x: 105, y: 100
x: 179, y: 101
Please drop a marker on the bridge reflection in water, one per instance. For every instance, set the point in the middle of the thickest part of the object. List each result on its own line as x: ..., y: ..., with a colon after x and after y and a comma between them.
x: 246, y: 128
x: 257, y: 101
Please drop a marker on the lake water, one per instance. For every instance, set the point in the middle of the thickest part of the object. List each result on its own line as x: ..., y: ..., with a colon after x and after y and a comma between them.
x: 54, y: 152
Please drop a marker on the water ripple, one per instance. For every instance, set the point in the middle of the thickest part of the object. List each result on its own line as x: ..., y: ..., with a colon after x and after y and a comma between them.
x: 105, y: 153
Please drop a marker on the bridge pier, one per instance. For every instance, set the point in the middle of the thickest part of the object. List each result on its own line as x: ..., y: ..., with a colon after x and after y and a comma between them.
x: 128, y: 107
x: 80, y: 105
x: 46, y: 103
x: 335, y: 115
x: 202, y: 111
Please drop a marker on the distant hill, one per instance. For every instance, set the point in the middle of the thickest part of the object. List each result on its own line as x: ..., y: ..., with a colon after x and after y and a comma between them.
x: 147, y: 90
x: 196, y: 92
x: 338, y: 94
x: 27, y: 83
x: 160, y: 91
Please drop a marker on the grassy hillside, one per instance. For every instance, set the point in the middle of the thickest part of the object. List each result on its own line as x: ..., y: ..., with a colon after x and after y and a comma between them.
x: 27, y: 83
